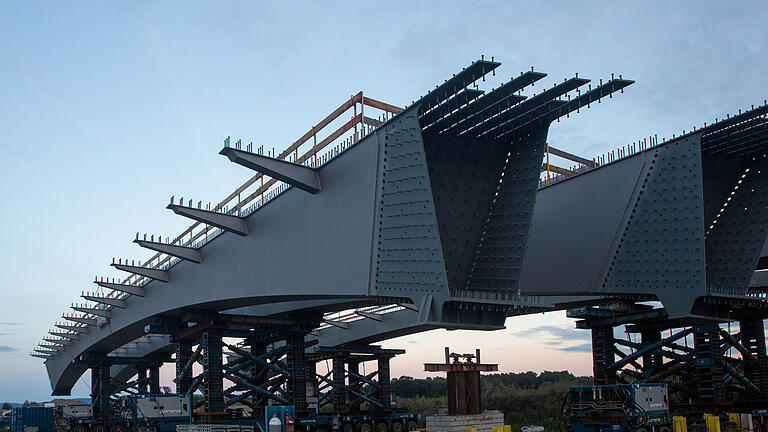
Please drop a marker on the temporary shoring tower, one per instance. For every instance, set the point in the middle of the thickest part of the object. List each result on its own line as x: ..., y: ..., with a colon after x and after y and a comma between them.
x: 711, y: 366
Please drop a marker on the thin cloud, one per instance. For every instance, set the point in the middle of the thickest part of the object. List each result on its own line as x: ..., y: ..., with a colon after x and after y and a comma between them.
x: 583, y: 348
x: 11, y: 152
x: 10, y: 323
x: 6, y: 348
x: 558, y: 338
x: 554, y: 332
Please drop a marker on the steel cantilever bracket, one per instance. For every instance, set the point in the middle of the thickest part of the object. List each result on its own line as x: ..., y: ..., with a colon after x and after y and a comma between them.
x: 81, y: 320
x: 302, y: 177
x: 93, y: 311
x: 109, y: 301
x: 151, y: 273
x: 183, y: 252
x: 129, y: 289
x: 72, y: 328
x: 234, y: 224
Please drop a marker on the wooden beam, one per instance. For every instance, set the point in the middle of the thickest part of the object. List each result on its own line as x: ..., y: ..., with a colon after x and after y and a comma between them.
x: 381, y: 105
x: 571, y: 157
x: 556, y: 169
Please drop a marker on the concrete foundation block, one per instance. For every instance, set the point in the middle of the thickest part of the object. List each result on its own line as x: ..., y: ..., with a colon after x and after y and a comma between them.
x: 484, y: 422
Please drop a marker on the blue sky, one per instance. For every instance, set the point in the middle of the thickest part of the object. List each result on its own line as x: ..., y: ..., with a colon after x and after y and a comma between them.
x: 108, y: 108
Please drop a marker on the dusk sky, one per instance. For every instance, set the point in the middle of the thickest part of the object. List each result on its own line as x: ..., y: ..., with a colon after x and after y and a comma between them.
x: 109, y: 108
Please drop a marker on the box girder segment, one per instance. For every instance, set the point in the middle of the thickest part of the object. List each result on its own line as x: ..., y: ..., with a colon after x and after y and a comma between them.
x: 435, y: 100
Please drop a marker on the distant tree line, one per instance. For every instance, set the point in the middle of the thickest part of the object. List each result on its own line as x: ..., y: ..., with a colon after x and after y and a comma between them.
x: 409, y: 387
x: 524, y: 398
x: 527, y: 380
x: 7, y: 405
x: 434, y: 387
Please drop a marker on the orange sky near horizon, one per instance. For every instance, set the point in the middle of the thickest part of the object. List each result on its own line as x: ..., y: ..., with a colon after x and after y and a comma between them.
x: 535, y: 343
x: 538, y: 342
